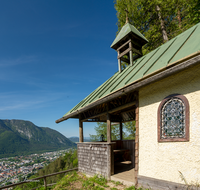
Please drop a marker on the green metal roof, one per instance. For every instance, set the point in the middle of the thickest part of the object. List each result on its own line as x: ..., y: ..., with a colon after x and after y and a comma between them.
x: 177, y: 48
x: 126, y: 29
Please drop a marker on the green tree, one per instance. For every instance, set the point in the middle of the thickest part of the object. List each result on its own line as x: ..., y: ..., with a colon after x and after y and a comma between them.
x: 158, y: 20
x: 101, y: 129
x: 68, y: 161
x: 129, y: 130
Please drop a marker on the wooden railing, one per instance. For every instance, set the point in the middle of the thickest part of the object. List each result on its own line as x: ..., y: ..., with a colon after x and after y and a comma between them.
x: 37, y: 178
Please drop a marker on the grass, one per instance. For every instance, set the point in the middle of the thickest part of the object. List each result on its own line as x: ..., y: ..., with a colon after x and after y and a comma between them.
x: 99, y: 180
x: 134, y: 188
x: 191, y: 185
x: 76, y: 181
x: 116, y: 182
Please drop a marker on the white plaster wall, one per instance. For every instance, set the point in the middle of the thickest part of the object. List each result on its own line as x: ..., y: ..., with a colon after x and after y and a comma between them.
x: 165, y: 160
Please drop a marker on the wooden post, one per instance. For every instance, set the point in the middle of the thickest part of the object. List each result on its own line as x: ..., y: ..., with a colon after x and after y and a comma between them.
x: 137, y: 140
x: 108, y: 128
x: 119, y: 63
x: 109, y: 161
x: 80, y: 130
x: 131, y: 54
x: 45, y: 183
x: 121, y: 130
x: 112, y: 160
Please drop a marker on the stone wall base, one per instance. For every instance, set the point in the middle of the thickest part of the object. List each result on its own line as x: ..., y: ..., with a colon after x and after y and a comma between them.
x: 157, y: 184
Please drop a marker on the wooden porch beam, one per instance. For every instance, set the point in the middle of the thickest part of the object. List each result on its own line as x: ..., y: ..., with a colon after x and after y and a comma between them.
x: 80, y: 130
x: 137, y: 141
x: 122, y: 107
x: 108, y: 128
x: 121, y: 130
x: 111, y: 111
x: 98, y: 115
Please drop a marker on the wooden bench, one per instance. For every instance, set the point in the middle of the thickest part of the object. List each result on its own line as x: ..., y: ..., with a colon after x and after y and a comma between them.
x: 124, y: 153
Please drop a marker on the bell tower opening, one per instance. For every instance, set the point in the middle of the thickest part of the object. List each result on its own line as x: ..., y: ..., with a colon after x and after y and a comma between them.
x: 128, y: 44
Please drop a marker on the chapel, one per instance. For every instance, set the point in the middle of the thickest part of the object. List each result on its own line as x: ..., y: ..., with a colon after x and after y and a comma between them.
x: 160, y: 91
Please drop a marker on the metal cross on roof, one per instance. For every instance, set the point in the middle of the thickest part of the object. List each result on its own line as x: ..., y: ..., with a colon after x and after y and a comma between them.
x: 126, y: 15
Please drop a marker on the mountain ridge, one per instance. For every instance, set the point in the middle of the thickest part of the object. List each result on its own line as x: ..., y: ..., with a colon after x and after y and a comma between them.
x: 20, y: 137
x: 76, y: 139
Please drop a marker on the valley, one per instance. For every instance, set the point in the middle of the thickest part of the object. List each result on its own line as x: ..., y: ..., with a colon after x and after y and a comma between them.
x: 20, y: 168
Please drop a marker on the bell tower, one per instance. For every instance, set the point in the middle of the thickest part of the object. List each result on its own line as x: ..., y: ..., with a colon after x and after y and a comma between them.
x: 128, y: 43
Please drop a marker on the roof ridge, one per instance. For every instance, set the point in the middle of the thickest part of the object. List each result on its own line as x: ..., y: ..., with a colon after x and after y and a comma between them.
x: 177, y: 49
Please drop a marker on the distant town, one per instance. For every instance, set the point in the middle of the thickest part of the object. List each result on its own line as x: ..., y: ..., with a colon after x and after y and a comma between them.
x: 20, y: 168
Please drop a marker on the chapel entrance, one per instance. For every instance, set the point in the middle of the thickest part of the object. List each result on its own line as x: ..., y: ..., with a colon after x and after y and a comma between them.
x: 125, y: 150
x: 124, y: 155
x: 112, y: 158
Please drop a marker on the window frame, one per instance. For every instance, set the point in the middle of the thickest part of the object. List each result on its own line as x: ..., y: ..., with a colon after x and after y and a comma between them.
x: 187, y: 113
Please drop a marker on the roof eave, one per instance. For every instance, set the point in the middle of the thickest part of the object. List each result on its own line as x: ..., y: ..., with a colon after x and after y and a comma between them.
x: 145, y: 80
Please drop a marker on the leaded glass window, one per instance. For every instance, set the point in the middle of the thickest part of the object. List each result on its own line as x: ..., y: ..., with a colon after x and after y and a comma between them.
x: 173, y: 119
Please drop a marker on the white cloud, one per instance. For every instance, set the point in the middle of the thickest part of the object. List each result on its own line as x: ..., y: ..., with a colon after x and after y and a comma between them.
x: 18, y: 106
x: 27, y: 100
x: 17, y: 61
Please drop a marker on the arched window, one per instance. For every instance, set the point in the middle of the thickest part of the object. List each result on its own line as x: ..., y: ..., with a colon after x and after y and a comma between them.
x: 173, y: 119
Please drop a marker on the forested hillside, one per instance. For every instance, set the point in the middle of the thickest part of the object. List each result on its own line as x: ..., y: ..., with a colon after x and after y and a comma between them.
x: 68, y: 161
x: 19, y: 137
x: 72, y: 180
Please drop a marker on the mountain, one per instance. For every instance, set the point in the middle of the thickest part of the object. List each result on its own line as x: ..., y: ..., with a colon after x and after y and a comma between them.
x: 76, y: 139
x: 19, y: 137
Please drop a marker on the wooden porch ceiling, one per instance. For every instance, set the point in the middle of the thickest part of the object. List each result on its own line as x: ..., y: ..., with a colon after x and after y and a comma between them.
x: 121, y: 109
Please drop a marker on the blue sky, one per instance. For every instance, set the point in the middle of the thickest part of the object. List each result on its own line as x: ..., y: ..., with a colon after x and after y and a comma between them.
x: 53, y: 53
